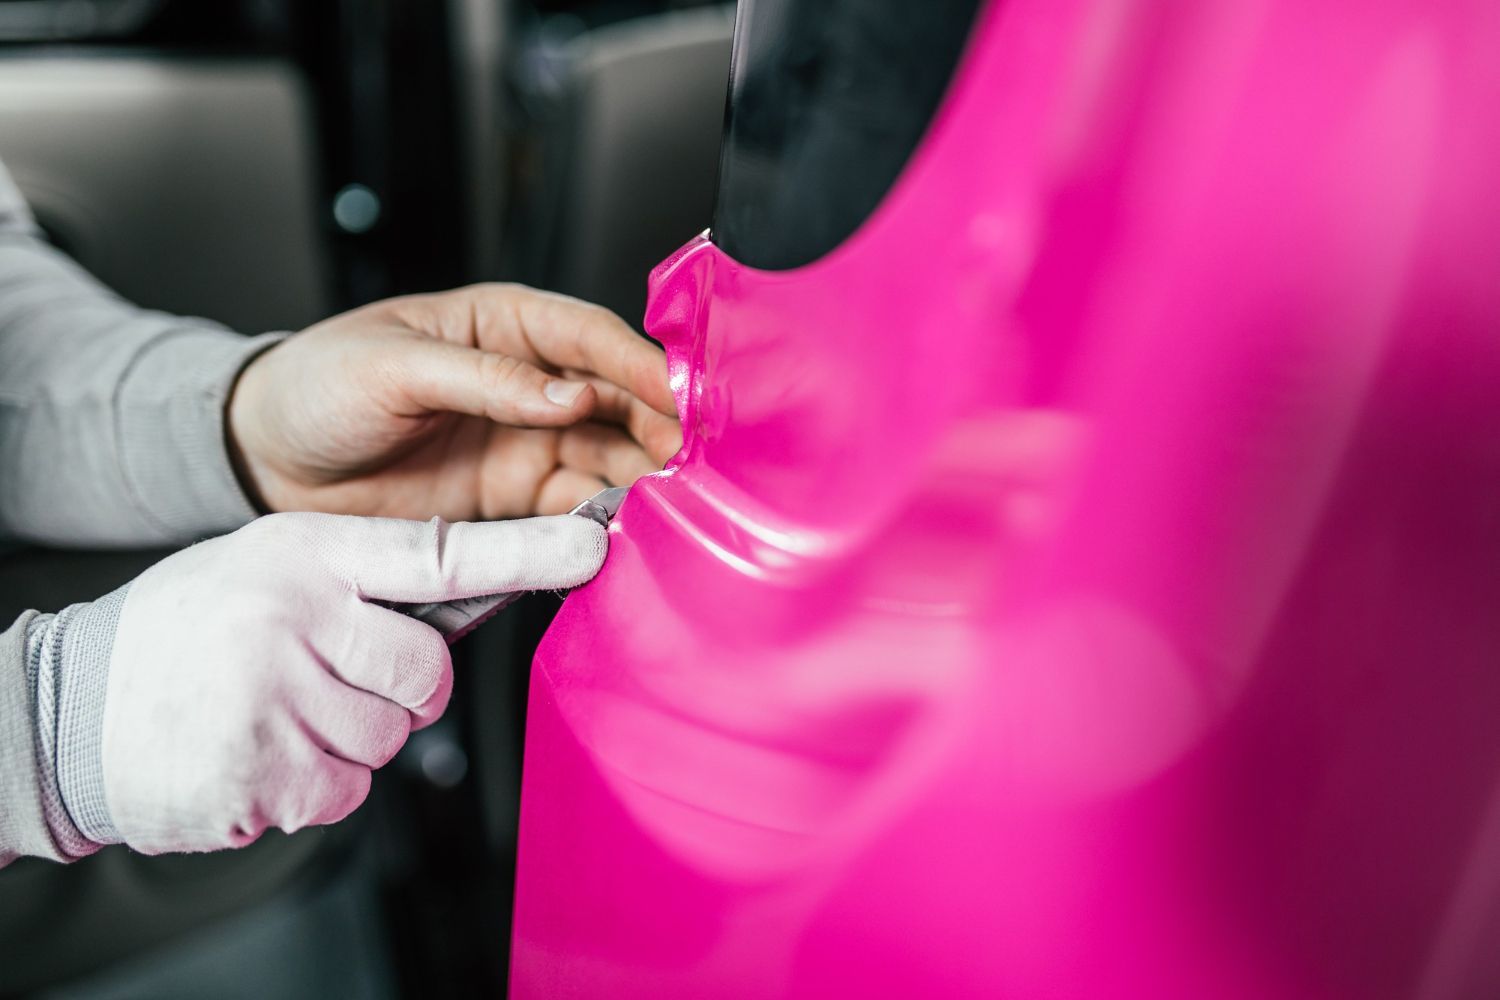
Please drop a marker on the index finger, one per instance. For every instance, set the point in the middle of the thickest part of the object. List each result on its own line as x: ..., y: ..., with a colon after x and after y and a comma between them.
x: 569, y: 333
x: 397, y: 560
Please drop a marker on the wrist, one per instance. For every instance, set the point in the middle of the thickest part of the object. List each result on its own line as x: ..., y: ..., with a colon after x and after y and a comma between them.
x: 241, y: 409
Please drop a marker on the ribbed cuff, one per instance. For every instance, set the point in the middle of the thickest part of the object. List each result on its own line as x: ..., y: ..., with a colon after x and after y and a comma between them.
x: 23, y: 816
x: 44, y: 670
x: 88, y: 640
x: 171, y: 409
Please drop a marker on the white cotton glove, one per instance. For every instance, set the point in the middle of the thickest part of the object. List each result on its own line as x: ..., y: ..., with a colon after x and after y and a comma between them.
x: 255, y: 680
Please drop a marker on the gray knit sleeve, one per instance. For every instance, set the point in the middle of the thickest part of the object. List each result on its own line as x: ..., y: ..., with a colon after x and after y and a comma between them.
x: 111, y: 417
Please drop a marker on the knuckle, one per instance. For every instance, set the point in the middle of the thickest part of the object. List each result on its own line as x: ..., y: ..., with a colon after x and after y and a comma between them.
x: 277, y: 523
x: 501, y: 372
x: 283, y: 529
x: 485, y: 293
x: 267, y: 525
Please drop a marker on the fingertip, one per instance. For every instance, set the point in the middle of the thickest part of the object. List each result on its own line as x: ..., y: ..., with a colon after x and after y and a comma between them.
x: 660, y: 396
x: 567, y: 394
x: 579, y: 550
x: 595, y: 552
x: 596, y: 544
x: 397, y: 731
x: 356, y: 789
x: 561, y: 403
x: 436, y: 704
x: 670, y: 443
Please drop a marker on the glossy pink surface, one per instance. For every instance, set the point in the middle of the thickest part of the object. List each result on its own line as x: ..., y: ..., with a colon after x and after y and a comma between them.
x: 1086, y: 581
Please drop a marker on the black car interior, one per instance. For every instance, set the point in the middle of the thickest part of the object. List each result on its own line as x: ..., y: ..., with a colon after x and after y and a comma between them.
x: 267, y: 163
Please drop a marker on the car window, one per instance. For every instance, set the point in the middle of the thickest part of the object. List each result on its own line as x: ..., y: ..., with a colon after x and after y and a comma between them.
x: 828, y: 99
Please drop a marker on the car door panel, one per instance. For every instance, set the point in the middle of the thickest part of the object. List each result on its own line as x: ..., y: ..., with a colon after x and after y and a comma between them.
x: 185, y: 184
x: 1077, y: 581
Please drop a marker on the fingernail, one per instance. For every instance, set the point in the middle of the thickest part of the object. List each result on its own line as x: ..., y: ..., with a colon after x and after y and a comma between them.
x: 563, y: 393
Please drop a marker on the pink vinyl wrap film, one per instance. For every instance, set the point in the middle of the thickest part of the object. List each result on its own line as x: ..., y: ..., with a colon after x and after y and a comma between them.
x: 1085, y: 581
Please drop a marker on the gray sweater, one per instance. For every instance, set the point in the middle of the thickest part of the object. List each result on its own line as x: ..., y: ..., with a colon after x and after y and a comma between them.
x: 111, y: 435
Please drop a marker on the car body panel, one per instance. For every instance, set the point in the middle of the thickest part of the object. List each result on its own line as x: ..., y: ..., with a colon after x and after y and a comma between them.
x: 1082, y: 581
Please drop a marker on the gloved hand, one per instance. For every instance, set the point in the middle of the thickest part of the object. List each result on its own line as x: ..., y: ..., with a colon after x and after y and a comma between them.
x: 255, y: 682
x: 486, y: 402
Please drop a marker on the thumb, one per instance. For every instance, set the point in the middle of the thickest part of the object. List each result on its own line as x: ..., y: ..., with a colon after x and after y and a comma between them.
x: 439, y: 376
x: 397, y: 560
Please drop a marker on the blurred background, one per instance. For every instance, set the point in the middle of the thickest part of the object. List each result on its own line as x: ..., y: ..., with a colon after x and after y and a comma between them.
x: 267, y: 163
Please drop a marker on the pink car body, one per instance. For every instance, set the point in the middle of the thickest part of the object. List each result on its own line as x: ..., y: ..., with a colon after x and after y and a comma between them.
x: 1085, y: 580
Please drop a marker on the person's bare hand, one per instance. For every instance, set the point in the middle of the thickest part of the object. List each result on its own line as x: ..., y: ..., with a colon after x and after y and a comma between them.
x: 486, y: 402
